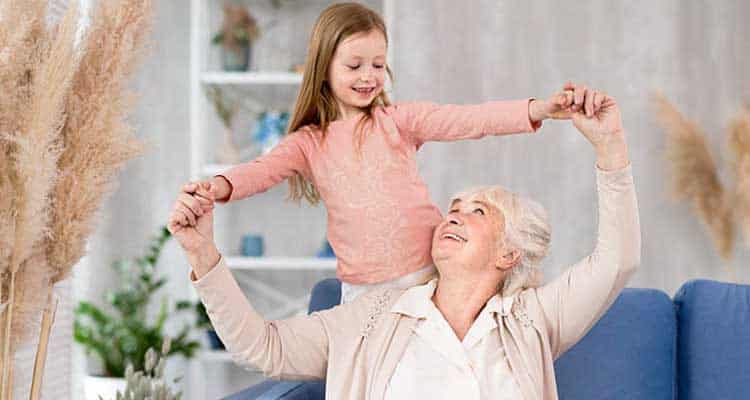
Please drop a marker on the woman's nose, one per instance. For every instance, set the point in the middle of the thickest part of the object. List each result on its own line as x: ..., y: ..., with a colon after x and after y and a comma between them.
x: 455, y: 219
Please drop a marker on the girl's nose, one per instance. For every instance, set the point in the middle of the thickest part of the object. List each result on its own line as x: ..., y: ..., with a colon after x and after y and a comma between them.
x: 368, y: 75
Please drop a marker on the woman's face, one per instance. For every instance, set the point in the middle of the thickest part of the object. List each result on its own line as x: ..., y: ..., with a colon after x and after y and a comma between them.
x: 470, y: 237
x: 357, y: 71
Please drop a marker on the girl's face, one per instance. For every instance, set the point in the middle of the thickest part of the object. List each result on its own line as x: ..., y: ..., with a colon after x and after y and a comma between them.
x: 357, y: 71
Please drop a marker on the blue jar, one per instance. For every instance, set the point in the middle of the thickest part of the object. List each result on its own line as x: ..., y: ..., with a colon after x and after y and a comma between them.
x: 252, y: 246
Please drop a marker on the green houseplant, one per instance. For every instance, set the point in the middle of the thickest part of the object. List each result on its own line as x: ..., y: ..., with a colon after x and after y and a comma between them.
x: 123, y: 338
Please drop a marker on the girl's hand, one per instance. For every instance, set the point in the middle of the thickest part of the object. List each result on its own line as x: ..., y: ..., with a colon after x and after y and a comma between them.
x: 556, y: 107
x: 221, y: 188
x: 205, y: 191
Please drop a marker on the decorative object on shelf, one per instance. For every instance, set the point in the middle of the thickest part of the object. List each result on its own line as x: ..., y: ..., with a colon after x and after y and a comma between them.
x: 252, y: 246
x: 124, y: 337
x: 695, y: 177
x: 64, y: 137
x: 149, y: 383
x: 270, y: 128
x: 278, y: 3
x: 326, y: 251
x: 226, y: 110
x: 238, y: 31
x: 203, y: 322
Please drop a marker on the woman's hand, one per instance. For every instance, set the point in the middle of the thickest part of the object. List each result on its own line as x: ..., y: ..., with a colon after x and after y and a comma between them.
x: 598, y: 119
x: 191, y: 223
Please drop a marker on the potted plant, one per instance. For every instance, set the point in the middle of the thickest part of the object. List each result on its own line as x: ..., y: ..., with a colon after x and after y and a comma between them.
x: 203, y: 322
x: 238, y: 31
x: 149, y: 383
x: 123, y: 338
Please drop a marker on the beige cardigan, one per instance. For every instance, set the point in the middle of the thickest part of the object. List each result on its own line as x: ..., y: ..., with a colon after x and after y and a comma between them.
x: 357, y: 346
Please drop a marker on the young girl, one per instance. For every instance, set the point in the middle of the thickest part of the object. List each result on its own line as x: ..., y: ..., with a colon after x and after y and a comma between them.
x: 348, y: 146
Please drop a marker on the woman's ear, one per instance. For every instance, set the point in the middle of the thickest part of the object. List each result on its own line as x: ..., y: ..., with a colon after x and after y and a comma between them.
x: 509, y: 259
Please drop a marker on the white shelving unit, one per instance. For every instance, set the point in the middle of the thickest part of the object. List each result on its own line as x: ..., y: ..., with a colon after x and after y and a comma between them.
x: 251, y: 78
x: 201, y: 75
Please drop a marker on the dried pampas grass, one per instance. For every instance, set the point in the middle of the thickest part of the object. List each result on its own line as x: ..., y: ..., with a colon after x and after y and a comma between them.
x: 34, y: 149
x: 97, y: 138
x: 739, y: 145
x: 63, y: 139
x: 694, y: 175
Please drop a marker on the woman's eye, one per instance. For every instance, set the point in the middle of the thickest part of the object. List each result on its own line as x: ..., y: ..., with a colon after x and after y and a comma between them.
x: 378, y: 66
x: 453, y: 211
x: 479, y: 211
x: 353, y: 67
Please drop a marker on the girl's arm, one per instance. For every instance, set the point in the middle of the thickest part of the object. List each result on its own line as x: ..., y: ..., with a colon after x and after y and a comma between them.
x: 283, y: 161
x: 424, y: 121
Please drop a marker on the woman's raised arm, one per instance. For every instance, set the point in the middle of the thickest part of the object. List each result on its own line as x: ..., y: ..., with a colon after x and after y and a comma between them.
x: 574, y: 301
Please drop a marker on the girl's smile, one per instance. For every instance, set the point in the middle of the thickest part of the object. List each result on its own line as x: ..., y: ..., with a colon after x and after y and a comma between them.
x: 357, y: 71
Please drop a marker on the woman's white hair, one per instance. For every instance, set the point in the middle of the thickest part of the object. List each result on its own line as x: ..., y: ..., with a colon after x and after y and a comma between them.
x: 527, y: 230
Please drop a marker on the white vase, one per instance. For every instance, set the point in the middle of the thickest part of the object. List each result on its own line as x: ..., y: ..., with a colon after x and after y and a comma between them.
x: 95, y: 386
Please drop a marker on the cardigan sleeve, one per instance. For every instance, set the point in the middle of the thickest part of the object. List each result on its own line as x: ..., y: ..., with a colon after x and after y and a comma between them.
x: 574, y: 301
x: 424, y: 121
x: 296, y: 348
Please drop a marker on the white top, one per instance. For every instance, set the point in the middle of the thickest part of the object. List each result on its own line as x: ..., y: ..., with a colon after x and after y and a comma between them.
x: 436, y: 365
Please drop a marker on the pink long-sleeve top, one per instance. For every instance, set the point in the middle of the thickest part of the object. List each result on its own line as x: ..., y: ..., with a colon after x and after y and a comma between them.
x: 380, y: 215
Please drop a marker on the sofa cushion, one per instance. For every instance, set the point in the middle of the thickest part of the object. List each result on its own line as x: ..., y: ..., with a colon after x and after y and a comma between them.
x: 325, y: 294
x: 628, y: 354
x: 713, y: 340
x: 286, y: 390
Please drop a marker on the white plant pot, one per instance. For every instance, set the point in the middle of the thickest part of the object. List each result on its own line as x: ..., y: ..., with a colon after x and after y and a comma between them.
x: 95, y: 386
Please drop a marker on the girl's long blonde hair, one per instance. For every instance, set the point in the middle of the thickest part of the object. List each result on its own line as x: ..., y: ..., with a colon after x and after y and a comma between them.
x: 315, y: 103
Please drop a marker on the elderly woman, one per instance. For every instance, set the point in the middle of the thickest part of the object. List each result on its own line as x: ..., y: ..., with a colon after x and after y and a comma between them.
x: 484, y: 328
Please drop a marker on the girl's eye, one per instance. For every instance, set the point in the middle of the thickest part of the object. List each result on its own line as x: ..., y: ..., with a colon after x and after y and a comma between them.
x: 479, y: 211
x: 353, y: 67
x: 453, y: 211
x: 379, y: 66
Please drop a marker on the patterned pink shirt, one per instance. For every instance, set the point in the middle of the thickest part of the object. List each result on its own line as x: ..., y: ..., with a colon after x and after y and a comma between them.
x: 380, y: 216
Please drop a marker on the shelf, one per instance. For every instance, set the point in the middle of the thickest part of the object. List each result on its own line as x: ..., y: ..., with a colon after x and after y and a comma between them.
x: 282, y: 263
x: 214, y: 169
x: 252, y: 78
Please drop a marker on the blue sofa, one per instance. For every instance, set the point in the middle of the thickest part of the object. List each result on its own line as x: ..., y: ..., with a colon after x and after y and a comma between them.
x: 647, y: 346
